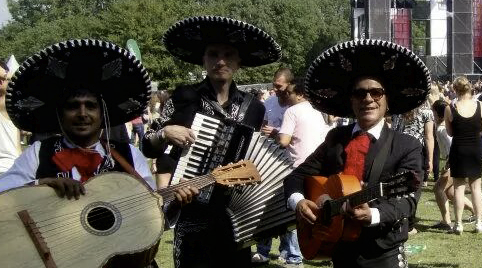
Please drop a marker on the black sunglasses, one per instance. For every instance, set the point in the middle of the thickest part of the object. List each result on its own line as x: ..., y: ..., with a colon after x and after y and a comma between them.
x: 375, y: 93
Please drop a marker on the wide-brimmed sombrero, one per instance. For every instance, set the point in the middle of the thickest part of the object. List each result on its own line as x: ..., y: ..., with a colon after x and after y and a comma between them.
x: 331, y: 76
x: 103, y: 68
x: 187, y: 40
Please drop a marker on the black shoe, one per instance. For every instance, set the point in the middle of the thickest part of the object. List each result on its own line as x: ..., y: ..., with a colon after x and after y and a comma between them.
x: 442, y: 226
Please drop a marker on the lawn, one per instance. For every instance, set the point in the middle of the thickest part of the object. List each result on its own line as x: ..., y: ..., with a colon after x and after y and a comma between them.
x: 436, y: 248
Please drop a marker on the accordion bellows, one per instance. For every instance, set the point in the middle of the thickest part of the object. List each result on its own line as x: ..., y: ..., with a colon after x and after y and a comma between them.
x: 259, y: 211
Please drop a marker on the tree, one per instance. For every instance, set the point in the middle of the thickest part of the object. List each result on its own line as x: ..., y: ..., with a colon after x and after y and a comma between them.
x: 303, y: 28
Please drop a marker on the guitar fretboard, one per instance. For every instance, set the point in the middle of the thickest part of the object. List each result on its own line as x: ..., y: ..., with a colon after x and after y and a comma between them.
x: 366, y: 195
x: 199, y: 182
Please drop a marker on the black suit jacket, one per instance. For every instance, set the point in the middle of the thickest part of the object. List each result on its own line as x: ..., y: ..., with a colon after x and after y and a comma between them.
x: 405, y: 153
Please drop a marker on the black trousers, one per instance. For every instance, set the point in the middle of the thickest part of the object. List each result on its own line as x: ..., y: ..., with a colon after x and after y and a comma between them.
x: 204, y: 239
x: 348, y: 255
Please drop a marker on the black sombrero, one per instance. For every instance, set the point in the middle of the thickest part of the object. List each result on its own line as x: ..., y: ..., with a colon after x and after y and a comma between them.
x: 101, y: 67
x: 187, y: 40
x: 330, y: 77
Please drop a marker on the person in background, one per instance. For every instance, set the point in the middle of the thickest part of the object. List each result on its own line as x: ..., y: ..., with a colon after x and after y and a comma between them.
x: 302, y: 131
x: 443, y: 188
x: 10, y: 147
x: 463, y: 123
x: 275, y: 107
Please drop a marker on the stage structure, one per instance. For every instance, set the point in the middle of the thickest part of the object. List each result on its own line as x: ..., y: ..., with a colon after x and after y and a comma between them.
x: 446, y: 34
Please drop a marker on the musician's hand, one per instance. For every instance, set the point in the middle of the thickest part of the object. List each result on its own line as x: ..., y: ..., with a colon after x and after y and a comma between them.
x: 361, y: 213
x: 185, y: 195
x: 269, y: 130
x: 307, y: 210
x: 64, y: 187
x: 179, y: 135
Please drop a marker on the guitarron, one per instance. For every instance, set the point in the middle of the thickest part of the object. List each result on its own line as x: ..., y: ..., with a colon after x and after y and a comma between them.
x: 118, y: 215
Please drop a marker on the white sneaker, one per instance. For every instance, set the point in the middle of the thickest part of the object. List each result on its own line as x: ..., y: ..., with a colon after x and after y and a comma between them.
x: 458, y: 228
x: 478, y: 227
x: 258, y: 258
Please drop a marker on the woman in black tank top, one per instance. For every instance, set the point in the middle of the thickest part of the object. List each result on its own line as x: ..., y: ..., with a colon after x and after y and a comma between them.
x: 465, y: 154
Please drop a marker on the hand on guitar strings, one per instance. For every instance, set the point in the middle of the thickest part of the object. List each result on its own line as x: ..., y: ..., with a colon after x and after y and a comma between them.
x: 185, y: 195
x: 179, y: 135
x: 64, y: 187
x: 307, y: 210
x: 361, y: 213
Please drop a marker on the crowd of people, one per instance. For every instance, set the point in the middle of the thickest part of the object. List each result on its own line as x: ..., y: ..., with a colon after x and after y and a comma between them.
x: 352, y: 114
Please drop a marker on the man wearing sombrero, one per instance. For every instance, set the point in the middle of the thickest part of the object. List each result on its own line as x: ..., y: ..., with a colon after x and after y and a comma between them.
x: 203, y: 234
x: 367, y: 80
x: 79, y: 88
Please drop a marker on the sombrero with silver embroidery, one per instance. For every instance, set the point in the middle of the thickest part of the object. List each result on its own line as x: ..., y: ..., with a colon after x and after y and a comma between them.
x: 331, y: 76
x: 188, y: 38
x: 103, y: 68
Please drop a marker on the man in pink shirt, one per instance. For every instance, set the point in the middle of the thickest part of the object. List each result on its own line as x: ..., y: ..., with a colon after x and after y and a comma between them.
x: 303, y: 128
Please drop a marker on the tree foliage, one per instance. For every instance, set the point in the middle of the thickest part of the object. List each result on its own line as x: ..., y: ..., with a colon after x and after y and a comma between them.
x: 303, y: 28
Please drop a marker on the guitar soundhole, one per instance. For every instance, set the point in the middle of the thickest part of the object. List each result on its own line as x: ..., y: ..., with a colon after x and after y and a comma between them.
x: 101, y: 218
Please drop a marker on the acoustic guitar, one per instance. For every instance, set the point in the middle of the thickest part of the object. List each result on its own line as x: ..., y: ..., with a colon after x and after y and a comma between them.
x: 119, y: 214
x: 317, y: 241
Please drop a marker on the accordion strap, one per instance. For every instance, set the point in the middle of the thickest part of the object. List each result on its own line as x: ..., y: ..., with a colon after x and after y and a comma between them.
x: 242, y: 108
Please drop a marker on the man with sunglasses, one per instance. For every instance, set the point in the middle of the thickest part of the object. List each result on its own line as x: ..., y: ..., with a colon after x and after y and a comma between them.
x: 365, y: 80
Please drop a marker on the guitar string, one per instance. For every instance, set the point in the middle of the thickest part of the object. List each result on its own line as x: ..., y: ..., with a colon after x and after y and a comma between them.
x: 72, y: 220
x: 72, y: 251
x: 163, y: 192
x: 127, y: 215
x: 339, y: 202
x: 80, y: 231
x: 59, y: 231
x: 100, y: 216
x: 75, y: 219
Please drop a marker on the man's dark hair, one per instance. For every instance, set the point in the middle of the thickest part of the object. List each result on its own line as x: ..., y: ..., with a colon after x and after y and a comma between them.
x: 4, y: 66
x: 286, y: 72
x: 439, y: 107
x: 299, y: 86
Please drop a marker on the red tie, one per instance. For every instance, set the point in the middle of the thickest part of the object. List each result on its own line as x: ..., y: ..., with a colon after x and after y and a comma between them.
x: 356, y: 150
x: 85, y: 161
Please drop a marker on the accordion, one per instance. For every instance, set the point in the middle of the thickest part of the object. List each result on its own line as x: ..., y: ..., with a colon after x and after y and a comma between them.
x: 256, y: 211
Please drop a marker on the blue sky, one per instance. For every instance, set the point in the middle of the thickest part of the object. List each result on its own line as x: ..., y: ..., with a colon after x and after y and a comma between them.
x: 4, y: 14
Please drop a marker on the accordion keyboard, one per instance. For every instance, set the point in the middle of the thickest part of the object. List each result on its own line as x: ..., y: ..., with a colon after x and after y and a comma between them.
x: 194, y: 159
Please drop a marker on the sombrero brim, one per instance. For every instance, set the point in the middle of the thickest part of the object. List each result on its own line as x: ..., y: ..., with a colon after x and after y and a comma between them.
x: 330, y: 77
x: 187, y: 40
x: 98, y: 66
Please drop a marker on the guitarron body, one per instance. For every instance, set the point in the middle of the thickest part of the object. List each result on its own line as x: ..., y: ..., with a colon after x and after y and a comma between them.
x: 118, y: 215
x: 318, y: 241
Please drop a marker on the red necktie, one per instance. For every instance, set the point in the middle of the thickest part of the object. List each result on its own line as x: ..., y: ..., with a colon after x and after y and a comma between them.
x: 85, y: 161
x: 356, y: 150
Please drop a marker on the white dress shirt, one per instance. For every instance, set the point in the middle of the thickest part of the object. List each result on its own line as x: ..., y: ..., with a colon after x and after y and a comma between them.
x: 25, y: 166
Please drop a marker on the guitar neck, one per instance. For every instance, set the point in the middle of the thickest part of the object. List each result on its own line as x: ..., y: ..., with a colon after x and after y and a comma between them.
x: 198, y: 182
x: 355, y: 199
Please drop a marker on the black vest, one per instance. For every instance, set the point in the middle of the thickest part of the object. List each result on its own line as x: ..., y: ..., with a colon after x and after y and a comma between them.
x: 48, y: 169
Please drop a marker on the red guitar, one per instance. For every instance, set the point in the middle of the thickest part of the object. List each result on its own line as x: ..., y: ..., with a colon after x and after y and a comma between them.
x: 318, y: 240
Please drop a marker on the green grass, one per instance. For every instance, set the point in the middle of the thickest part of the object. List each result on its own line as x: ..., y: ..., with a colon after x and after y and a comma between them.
x: 442, y: 250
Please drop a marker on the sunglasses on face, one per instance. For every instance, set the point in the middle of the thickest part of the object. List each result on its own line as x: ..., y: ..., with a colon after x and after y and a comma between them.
x: 375, y: 93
